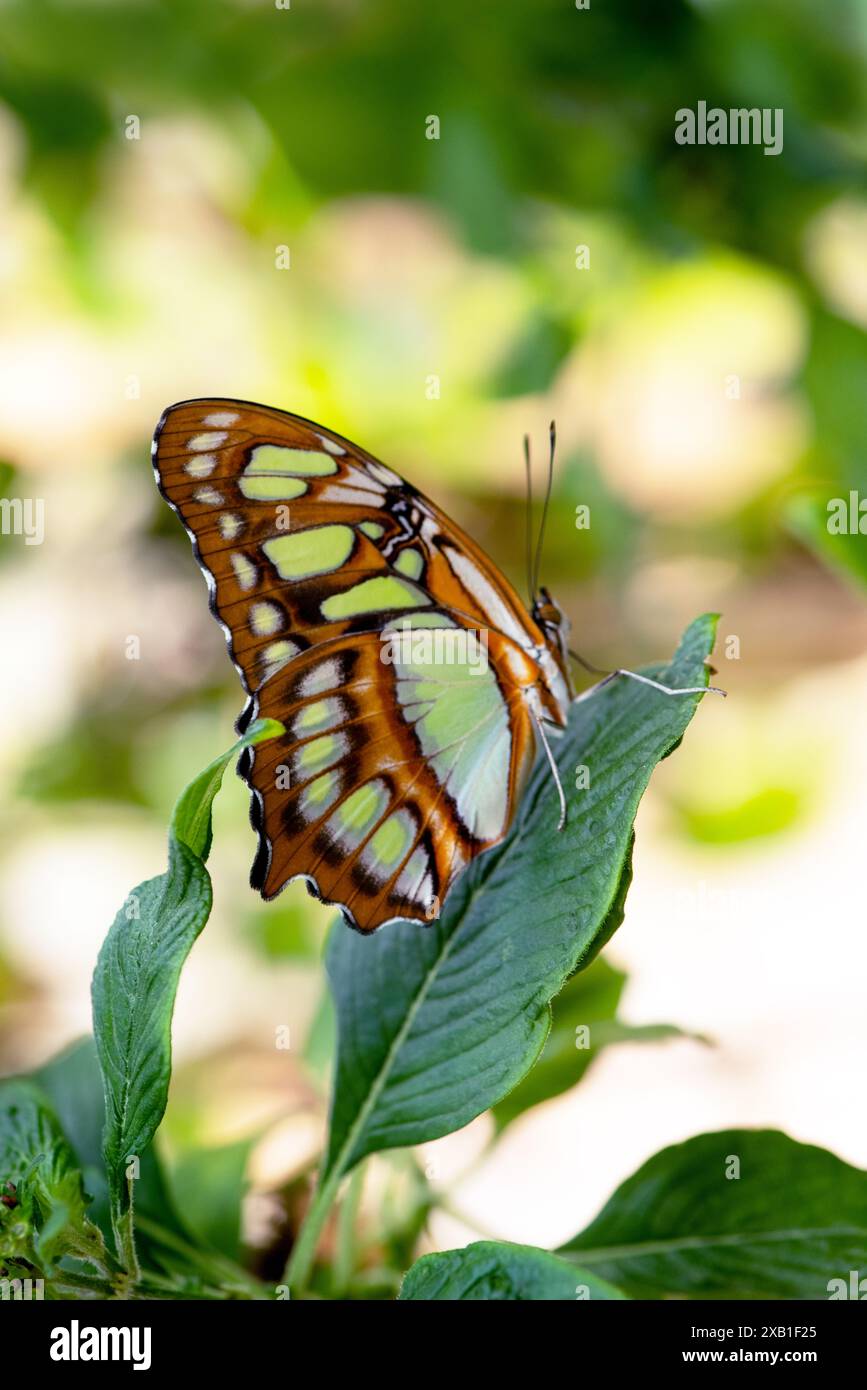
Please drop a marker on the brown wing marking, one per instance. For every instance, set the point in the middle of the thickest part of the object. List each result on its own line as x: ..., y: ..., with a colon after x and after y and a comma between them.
x: 375, y: 746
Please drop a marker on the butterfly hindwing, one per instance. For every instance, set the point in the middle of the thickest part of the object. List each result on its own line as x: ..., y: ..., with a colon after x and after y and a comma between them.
x: 382, y: 790
x: 353, y: 608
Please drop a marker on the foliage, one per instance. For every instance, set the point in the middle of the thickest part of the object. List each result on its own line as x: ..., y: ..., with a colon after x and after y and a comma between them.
x: 433, y: 1027
x: 739, y: 1214
x: 308, y: 124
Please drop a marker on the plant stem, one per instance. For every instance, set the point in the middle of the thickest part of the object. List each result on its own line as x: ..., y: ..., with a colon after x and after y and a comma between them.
x: 304, y: 1250
x: 224, y: 1272
x: 92, y: 1250
x: 85, y: 1285
x: 124, y: 1235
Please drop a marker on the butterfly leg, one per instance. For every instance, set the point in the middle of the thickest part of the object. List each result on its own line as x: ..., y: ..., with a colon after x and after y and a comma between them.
x: 545, y: 744
x: 645, y: 680
x: 655, y: 685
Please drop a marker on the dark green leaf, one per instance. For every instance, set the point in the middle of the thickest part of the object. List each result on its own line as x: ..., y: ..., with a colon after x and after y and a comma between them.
x: 136, y: 980
x: 738, y: 1214
x: 495, y: 1271
x: 436, y: 1024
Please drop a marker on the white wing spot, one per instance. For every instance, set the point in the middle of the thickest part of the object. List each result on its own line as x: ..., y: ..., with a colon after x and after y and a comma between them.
x: 265, y: 619
x: 330, y: 445
x: 245, y: 571
x: 413, y: 875
x: 383, y: 474
x: 275, y: 656
x: 356, y: 478
x: 201, y: 467
x: 349, y: 496
x: 320, y: 679
x: 201, y: 442
x: 220, y: 418
x: 209, y: 496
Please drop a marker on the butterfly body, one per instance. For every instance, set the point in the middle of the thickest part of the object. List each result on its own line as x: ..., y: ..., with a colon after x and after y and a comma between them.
x: 409, y: 676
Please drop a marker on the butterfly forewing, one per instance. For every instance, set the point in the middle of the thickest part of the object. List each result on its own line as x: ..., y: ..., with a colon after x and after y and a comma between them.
x: 387, y: 643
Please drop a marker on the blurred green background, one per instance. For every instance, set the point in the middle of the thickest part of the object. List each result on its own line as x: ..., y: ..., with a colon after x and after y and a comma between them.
x: 705, y: 359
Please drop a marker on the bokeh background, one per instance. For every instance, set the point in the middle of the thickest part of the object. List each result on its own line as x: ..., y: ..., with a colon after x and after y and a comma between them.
x: 708, y: 373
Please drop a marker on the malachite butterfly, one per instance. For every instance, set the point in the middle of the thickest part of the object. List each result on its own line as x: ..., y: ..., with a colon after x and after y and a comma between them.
x: 410, y: 678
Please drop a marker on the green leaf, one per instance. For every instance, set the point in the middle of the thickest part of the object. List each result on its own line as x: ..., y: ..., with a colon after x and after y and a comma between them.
x: 583, y: 1024
x: 794, y: 1218
x: 43, y: 1211
x: 135, y: 983
x: 73, y: 1083
x: 496, y: 1271
x: 437, y: 1024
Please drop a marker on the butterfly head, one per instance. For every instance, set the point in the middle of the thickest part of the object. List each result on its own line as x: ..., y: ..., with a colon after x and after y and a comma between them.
x: 548, y: 614
x: 554, y: 626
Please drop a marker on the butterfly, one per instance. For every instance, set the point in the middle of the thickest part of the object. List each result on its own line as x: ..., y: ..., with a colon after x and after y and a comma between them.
x: 411, y: 679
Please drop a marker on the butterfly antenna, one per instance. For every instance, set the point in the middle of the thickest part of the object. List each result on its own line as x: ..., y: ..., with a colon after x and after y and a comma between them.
x: 550, y: 756
x: 528, y: 527
x: 609, y: 676
x: 552, y: 434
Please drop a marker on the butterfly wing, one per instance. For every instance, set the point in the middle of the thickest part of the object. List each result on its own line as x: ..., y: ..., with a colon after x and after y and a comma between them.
x: 380, y: 807
x: 354, y: 611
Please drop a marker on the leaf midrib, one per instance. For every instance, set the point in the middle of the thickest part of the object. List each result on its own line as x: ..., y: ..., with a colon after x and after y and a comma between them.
x: 590, y: 1254
x: 357, y: 1126
x: 130, y: 1075
x: 127, y: 1050
x: 439, y: 960
x: 335, y: 1170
